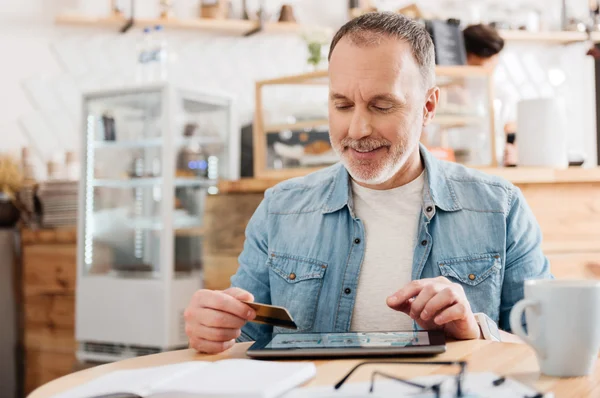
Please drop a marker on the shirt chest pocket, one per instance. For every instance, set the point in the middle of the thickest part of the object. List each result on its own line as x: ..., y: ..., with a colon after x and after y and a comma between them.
x: 296, y: 284
x: 480, y: 277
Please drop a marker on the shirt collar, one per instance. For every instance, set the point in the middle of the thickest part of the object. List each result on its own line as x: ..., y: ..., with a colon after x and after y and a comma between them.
x: 438, y: 188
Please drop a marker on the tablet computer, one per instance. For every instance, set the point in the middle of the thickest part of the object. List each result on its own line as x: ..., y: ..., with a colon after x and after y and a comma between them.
x: 301, y: 345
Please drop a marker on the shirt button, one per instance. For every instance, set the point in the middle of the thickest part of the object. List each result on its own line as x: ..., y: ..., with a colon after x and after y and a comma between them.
x: 292, y: 276
x: 429, y: 209
x: 357, y: 241
x: 423, y: 243
x: 472, y: 277
x: 347, y: 290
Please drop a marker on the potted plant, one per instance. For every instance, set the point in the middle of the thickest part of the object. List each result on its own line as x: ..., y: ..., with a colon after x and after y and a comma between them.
x: 317, y: 42
x: 11, y: 181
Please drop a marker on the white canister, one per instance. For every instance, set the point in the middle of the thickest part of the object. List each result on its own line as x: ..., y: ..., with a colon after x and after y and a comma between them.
x: 542, y: 133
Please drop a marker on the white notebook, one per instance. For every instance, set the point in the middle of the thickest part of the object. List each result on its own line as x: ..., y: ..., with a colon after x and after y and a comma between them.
x: 226, y: 378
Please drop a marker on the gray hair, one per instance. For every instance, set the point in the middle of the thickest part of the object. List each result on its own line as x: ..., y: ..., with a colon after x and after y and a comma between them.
x: 369, y: 29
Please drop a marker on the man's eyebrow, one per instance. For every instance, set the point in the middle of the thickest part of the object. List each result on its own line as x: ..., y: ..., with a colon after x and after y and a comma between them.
x: 387, y: 97
x: 334, y: 96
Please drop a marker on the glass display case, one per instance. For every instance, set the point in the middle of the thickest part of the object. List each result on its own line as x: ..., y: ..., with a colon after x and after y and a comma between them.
x: 463, y: 127
x: 151, y: 155
x: 293, y: 139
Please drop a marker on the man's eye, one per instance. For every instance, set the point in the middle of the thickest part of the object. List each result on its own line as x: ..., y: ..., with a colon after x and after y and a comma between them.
x: 378, y: 108
x: 343, y: 106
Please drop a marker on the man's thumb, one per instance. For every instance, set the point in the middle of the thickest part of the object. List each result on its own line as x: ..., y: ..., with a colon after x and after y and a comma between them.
x: 239, y: 294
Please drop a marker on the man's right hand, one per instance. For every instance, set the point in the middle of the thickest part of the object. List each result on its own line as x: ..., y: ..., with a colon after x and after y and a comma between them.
x: 214, y: 319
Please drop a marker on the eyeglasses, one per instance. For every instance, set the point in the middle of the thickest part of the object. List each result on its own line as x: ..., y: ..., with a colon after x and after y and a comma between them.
x: 435, y: 388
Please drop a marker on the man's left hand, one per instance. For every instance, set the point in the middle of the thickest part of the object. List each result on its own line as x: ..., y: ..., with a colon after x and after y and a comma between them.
x: 437, y: 303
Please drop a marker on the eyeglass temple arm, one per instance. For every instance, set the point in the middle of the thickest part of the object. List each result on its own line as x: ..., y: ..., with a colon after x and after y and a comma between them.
x: 389, y: 376
x: 462, y: 365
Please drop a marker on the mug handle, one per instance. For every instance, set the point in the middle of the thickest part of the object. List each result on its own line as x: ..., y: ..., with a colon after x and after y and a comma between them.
x: 517, y: 327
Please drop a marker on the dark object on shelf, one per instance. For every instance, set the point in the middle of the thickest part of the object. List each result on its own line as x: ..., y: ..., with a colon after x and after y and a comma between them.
x: 510, y: 138
x: 287, y: 14
x: 130, y: 21
x: 448, y: 41
x: 247, y: 154
x: 353, y: 4
x: 9, y: 213
x: 108, y: 121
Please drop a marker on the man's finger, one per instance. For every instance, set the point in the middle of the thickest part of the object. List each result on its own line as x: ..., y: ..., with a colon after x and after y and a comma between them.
x: 239, y: 294
x: 427, y: 293
x: 226, y: 303
x: 215, y: 334
x: 219, y: 319
x: 210, y: 347
x: 456, y: 312
x: 408, y: 291
x: 444, y: 299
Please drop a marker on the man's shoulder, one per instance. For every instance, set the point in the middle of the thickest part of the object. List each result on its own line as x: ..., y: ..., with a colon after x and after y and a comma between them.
x: 303, y: 194
x: 460, y: 173
x: 479, y: 190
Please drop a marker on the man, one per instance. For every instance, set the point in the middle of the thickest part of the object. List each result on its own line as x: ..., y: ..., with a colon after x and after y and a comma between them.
x: 389, y: 238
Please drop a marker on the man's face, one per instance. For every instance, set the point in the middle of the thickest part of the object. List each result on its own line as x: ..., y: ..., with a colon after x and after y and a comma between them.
x: 376, y: 107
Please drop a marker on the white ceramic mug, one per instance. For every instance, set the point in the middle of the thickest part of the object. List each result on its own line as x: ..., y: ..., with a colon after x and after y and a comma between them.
x: 563, y: 322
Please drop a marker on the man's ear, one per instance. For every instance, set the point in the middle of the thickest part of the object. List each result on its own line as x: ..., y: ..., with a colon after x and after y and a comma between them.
x: 431, y: 102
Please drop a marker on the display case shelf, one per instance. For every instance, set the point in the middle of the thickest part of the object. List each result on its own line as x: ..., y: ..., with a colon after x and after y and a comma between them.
x: 151, y: 182
x: 154, y: 143
x: 156, y: 224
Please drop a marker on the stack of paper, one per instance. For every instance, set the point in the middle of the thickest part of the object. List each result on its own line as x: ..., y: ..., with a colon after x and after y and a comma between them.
x: 226, y: 378
x: 59, y: 203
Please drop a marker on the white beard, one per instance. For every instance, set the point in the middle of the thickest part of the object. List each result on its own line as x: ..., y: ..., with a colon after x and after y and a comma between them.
x: 383, y: 174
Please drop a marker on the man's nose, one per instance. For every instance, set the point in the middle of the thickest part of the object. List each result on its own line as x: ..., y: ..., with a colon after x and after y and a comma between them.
x: 360, y: 126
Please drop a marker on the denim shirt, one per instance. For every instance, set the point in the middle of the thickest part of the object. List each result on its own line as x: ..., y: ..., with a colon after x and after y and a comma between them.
x: 304, y: 245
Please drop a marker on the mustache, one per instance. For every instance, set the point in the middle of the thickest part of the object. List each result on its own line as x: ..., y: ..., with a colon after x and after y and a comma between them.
x: 364, y: 144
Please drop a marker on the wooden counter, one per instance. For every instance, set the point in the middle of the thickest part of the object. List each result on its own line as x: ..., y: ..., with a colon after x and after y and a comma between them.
x: 516, y: 175
x: 516, y: 361
x: 48, y: 275
x: 566, y: 203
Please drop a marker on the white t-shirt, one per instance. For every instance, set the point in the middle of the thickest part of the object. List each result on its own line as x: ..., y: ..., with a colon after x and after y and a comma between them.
x: 391, y: 219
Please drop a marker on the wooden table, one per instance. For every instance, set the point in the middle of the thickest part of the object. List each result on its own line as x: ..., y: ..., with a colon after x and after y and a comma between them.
x: 514, y: 360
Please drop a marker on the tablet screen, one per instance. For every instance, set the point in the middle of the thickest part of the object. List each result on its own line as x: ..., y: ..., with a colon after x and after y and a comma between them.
x: 349, y: 340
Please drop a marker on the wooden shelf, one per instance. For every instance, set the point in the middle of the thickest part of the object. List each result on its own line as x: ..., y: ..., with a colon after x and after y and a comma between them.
x: 82, y: 20
x: 275, y: 128
x: 240, y: 27
x: 230, y: 26
x: 543, y: 37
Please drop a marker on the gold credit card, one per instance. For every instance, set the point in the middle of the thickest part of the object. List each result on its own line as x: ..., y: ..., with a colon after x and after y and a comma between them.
x: 271, y: 315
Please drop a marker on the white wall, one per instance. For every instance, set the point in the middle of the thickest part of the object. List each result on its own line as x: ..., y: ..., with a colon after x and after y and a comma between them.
x: 54, y: 63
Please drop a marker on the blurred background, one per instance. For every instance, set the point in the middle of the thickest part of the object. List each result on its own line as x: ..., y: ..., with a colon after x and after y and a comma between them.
x: 137, y: 137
